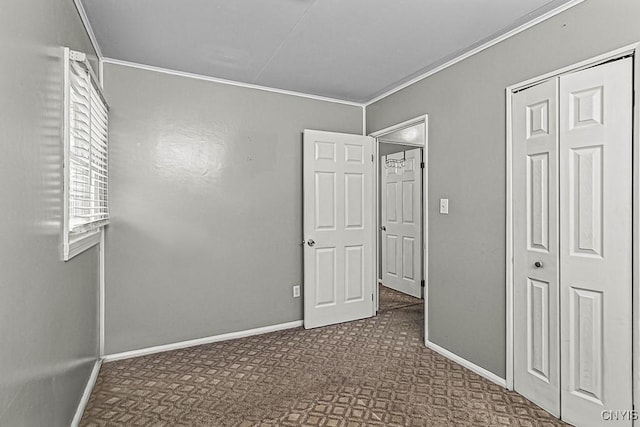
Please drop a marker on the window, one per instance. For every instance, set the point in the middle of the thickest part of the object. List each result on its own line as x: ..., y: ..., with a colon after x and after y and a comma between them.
x: 86, y: 182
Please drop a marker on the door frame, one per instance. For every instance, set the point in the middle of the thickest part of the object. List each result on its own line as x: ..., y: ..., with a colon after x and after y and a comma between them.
x: 629, y: 50
x: 378, y: 135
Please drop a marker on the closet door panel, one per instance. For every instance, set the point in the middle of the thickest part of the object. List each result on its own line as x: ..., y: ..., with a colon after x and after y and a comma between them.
x: 535, y: 207
x: 596, y: 241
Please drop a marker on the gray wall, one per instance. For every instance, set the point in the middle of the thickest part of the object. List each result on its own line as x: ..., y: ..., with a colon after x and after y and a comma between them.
x: 48, y: 308
x: 466, y: 107
x: 206, y: 204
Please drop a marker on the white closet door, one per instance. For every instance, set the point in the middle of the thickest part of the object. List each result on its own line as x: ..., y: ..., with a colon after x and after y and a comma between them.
x: 535, y: 208
x: 402, y: 219
x: 338, y: 227
x: 596, y: 241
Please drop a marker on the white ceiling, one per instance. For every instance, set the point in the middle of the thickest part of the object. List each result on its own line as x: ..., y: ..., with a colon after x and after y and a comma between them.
x: 347, y: 49
x: 415, y: 134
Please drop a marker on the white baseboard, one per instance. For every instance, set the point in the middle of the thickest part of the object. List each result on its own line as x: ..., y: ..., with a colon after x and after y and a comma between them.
x: 469, y: 365
x: 200, y: 341
x: 86, y: 394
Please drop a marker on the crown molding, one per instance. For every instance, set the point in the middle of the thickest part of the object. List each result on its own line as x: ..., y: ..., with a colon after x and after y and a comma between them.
x: 477, y: 49
x: 228, y: 82
x: 87, y: 27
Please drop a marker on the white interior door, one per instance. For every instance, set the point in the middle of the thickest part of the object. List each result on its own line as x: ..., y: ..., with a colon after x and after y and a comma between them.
x: 338, y: 227
x: 401, y: 223
x: 596, y: 241
x: 535, y: 231
x: 572, y: 230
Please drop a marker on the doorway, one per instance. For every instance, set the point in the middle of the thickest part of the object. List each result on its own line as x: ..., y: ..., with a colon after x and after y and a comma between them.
x: 342, y: 219
x: 401, y: 184
x: 571, y: 234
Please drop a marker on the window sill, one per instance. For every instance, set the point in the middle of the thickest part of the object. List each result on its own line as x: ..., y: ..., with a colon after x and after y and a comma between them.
x: 80, y: 243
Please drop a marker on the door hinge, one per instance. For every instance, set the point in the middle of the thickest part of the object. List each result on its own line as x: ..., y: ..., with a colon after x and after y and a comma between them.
x: 422, y: 283
x: 371, y: 297
x: 372, y: 157
x: 421, y: 165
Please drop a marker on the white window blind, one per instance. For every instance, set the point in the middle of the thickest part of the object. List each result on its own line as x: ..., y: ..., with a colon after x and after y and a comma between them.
x: 86, y: 150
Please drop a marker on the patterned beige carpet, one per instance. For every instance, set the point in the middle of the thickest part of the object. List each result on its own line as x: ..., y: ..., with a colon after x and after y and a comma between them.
x: 373, y: 372
x: 390, y: 299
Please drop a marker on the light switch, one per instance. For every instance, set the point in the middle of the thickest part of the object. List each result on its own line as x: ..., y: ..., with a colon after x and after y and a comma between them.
x: 444, y: 206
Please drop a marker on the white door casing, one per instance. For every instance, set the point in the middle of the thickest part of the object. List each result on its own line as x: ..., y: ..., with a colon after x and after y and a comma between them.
x: 338, y: 227
x: 401, y: 219
x: 596, y: 241
x: 535, y: 232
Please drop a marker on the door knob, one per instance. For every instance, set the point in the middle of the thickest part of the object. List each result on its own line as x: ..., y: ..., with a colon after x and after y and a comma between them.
x: 310, y: 242
x: 383, y: 228
x: 537, y: 264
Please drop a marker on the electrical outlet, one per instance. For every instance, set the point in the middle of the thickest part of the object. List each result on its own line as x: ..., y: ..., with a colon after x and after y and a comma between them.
x: 296, y: 291
x: 444, y: 206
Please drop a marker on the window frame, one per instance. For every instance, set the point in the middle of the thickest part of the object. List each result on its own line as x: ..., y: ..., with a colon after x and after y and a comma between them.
x: 74, y: 243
